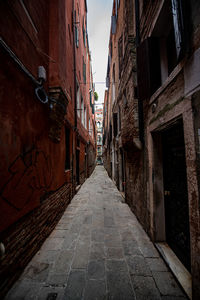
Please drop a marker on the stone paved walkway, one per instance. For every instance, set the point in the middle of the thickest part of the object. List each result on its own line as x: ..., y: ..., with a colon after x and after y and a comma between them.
x: 97, y: 251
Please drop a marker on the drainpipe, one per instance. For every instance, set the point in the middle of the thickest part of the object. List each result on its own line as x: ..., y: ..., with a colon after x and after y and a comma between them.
x: 140, y: 104
x: 137, y: 19
x: 75, y: 91
x: 75, y: 95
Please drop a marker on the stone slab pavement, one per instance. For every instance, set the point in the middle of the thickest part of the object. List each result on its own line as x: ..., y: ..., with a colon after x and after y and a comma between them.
x: 98, y: 250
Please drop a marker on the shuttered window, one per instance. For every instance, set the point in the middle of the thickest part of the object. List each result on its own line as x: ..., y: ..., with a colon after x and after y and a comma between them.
x: 178, y: 25
x: 76, y: 32
x: 115, y: 124
x: 84, y: 71
x: 113, y: 24
x: 148, y: 67
x: 120, y: 55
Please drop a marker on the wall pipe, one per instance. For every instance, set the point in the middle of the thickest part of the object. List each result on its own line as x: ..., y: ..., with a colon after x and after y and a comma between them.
x: 140, y: 103
x: 75, y: 84
x: 19, y: 63
x: 39, y: 90
x: 74, y: 160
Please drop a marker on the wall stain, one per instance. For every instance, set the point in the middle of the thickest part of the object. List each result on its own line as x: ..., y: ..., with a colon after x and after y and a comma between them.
x: 30, y: 174
x: 166, y: 108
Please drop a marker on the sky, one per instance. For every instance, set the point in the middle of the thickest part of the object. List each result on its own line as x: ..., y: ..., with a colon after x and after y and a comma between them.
x: 99, y: 21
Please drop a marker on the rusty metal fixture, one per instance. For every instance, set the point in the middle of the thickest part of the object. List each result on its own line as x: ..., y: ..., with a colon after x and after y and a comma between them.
x: 2, y: 250
x: 154, y: 106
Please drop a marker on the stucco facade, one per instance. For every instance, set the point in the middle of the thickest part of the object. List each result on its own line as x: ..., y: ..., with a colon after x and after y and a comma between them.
x: 46, y: 149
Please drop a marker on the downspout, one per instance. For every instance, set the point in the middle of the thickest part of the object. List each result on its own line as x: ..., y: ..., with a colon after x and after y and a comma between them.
x: 140, y: 103
x: 75, y: 89
x: 137, y: 19
x: 75, y: 102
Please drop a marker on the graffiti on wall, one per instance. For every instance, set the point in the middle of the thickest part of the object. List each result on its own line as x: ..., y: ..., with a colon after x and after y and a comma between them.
x: 30, y: 176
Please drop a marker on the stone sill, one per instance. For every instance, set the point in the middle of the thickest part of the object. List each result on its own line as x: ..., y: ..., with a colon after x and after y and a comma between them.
x: 169, y: 79
x: 179, y: 271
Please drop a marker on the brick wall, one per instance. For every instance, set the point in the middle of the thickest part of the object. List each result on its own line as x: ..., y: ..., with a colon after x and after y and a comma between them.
x: 91, y: 160
x: 24, y: 238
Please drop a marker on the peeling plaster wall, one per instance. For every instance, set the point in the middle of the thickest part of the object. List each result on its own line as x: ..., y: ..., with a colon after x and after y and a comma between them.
x: 177, y: 98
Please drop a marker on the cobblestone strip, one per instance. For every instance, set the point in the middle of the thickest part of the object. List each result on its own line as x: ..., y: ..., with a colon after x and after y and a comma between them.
x: 97, y: 251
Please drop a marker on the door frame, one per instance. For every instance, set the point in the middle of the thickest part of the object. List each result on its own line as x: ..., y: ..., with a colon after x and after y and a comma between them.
x: 157, y: 179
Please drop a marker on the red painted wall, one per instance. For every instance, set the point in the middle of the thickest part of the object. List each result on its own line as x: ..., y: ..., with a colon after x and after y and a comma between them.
x: 31, y: 164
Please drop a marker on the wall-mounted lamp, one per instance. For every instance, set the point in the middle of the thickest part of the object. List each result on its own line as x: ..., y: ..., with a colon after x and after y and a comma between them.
x: 39, y: 90
x: 42, y: 76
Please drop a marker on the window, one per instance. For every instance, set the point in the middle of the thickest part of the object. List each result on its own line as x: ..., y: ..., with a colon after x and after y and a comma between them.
x: 67, y: 148
x: 177, y: 13
x: 89, y: 127
x: 159, y: 54
x: 113, y: 24
x: 84, y: 71
x: 91, y: 98
x: 82, y: 111
x: 120, y: 55
x: 115, y: 124
x: 93, y: 109
x: 93, y: 130
x: 85, y: 117
x: 119, y: 118
x: 76, y: 32
x: 149, y: 77
x: 113, y: 85
x: 84, y: 33
x: 78, y: 98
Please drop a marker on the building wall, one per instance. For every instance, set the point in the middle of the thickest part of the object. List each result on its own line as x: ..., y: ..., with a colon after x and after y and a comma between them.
x: 123, y: 155
x: 151, y: 105
x: 99, y: 129
x: 36, y: 183
x: 84, y: 133
x: 175, y: 99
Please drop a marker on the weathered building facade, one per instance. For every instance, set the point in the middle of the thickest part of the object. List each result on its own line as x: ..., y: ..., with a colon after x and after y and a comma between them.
x: 99, y: 130
x: 47, y: 148
x: 159, y: 132
x: 122, y: 146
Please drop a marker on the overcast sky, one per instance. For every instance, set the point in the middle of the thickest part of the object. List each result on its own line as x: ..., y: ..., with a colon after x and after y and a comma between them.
x: 99, y: 20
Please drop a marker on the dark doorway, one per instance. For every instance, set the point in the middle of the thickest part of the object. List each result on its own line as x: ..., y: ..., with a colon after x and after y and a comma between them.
x: 86, y: 162
x: 77, y: 167
x: 122, y: 167
x: 175, y: 193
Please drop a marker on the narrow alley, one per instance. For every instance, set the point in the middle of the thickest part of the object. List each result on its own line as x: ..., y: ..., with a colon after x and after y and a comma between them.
x: 98, y: 250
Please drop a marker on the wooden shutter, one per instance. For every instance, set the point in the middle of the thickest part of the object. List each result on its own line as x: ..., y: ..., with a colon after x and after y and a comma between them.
x: 113, y: 24
x: 84, y: 71
x: 148, y: 67
x: 120, y: 55
x: 177, y: 26
x: 115, y: 127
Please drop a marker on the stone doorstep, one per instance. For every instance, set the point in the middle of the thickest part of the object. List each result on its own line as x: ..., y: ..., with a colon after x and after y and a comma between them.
x: 179, y: 271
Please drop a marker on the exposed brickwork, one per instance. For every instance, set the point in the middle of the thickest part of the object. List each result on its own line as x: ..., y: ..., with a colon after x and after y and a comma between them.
x: 126, y: 166
x: 23, y: 239
x: 173, y: 98
x: 172, y: 102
